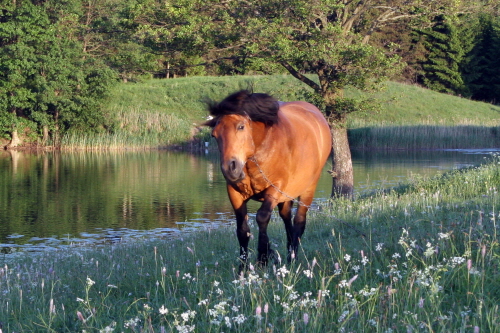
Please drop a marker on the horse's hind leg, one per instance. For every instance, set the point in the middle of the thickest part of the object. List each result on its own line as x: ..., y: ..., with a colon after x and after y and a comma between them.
x: 285, y: 211
x: 299, y: 221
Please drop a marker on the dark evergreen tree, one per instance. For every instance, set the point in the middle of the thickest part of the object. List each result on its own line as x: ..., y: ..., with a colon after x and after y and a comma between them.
x: 482, y: 70
x: 447, y: 44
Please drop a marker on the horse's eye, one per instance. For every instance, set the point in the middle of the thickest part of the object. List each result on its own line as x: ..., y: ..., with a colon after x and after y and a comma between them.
x: 241, y: 127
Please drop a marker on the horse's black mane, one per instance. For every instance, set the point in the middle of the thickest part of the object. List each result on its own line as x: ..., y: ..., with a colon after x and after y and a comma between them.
x: 257, y: 106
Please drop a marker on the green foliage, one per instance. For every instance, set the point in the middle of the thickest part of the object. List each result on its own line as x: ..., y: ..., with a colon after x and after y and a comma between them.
x: 45, y: 76
x: 58, y: 58
x: 310, y: 37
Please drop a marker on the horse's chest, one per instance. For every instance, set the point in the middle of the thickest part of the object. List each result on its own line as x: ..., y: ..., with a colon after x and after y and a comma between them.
x: 252, y: 187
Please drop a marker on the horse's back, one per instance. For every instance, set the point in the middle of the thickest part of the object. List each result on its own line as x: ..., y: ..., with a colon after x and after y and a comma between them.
x: 310, y: 127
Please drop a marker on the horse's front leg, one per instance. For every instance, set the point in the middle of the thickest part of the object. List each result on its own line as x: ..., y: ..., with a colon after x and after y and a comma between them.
x: 243, y: 232
x: 262, y: 218
x: 242, y: 228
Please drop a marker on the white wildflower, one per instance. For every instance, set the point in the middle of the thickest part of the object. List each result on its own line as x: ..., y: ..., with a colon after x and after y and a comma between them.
x: 282, y: 271
x: 239, y: 319
x: 227, y: 320
x: 186, y: 316
x: 308, y: 273
x: 163, y: 310
x: 444, y: 235
x: 203, y: 302
x: 365, y: 261
x: 131, y: 323
x: 90, y: 283
x: 429, y: 251
x: 185, y: 328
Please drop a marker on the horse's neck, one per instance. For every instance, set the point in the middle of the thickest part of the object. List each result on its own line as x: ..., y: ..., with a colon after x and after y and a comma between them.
x: 259, y: 134
x: 267, y: 139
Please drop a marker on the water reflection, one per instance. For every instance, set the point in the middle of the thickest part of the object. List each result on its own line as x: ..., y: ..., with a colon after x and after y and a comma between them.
x: 54, y: 198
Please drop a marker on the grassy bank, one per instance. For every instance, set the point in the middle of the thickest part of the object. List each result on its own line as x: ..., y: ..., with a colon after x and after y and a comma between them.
x: 158, y: 113
x: 419, y: 258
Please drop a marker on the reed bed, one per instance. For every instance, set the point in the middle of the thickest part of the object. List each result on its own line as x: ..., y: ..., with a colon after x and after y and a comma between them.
x: 133, y: 129
x: 422, y: 257
x: 425, y: 137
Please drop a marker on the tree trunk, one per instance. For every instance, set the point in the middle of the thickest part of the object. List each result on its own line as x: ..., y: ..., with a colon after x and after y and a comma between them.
x: 342, y: 172
x: 15, y: 141
x: 45, y: 138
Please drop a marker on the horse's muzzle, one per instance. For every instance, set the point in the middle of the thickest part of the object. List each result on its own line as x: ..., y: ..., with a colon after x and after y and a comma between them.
x: 233, y: 170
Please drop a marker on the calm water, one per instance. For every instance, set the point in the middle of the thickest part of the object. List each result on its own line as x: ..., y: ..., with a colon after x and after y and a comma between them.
x: 50, y: 199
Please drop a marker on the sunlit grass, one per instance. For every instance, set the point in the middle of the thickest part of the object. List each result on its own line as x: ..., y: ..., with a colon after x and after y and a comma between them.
x: 423, y: 257
x: 157, y: 113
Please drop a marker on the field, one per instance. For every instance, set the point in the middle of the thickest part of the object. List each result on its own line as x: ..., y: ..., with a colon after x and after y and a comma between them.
x: 423, y: 257
x: 161, y: 113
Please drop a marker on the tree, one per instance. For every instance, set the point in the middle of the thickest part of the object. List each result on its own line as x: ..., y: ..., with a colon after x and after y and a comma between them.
x: 21, y: 29
x: 329, y: 38
x: 45, y: 75
x: 482, y: 69
x: 448, y: 44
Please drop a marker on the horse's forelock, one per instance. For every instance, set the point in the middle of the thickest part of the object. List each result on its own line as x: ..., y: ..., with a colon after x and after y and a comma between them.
x: 259, y: 107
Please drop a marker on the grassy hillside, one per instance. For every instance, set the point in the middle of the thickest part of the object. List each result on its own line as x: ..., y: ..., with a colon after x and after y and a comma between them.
x: 400, y: 104
x: 162, y: 112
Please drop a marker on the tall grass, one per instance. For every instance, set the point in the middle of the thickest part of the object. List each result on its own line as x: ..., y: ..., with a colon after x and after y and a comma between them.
x: 425, y: 137
x: 423, y: 257
x: 134, y: 129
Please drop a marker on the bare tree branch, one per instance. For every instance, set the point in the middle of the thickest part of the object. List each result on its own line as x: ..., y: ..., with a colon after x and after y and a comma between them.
x: 300, y: 76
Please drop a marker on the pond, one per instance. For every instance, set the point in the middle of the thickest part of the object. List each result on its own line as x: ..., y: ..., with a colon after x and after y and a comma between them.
x: 56, y: 199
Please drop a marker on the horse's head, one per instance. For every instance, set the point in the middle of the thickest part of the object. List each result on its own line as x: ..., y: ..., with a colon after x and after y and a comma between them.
x: 232, y: 127
x: 234, y: 137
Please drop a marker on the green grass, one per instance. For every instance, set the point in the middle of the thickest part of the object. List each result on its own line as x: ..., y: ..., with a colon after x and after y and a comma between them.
x: 158, y: 113
x: 423, y: 257
x: 403, y: 105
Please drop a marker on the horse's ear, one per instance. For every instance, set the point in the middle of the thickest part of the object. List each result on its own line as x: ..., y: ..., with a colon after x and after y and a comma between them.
x: 210, y: 123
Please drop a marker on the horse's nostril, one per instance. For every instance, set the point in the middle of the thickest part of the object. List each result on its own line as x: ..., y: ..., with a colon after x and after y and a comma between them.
x: 232, y: 165
x: 232, y: 169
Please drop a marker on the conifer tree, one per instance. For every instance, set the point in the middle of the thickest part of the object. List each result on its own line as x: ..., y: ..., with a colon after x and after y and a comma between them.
x: 482, y: 71
x: 447, y: 44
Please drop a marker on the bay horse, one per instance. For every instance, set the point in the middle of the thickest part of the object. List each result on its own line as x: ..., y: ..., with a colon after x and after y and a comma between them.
x: 271, y: 152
